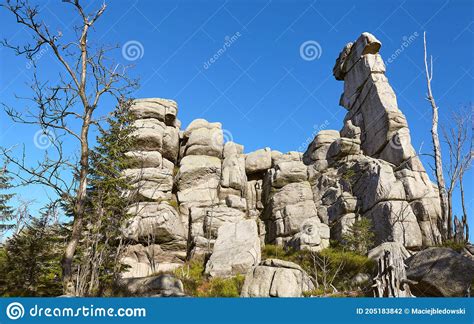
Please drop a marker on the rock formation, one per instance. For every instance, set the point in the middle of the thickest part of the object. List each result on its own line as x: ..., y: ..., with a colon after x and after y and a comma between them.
x: 199, y: 195
x: 276, y: 278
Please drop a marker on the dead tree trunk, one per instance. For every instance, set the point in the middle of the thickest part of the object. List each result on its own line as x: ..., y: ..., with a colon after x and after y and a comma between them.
x: 446, y: 226
x: 391, y: 280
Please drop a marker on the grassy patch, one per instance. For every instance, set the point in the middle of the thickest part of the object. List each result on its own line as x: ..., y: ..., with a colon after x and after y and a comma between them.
x: 340, y: 264
x: 197, y: 284
x: 456, y: 246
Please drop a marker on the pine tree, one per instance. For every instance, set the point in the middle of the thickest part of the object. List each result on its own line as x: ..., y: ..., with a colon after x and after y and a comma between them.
x: 6, y: 211
x: 108, y: 204
x: 30, y: 259
x: 360, y: 236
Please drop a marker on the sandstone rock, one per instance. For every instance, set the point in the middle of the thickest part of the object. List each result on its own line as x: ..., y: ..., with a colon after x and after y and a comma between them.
x: 313, y: 236
x: 350, y: 131
x: 203, y: 138
x: 198, y: 171
x: 236, y: 249
x: 149, y: 159
x: 236, y: 202
x: 345, y: 204
x: 394, y: 221
x: 154, y: 135
x: 341, y: 225
x: 150, y: 183
x: 254, y: 194
x: 258, y: 161
x: 155, y: 222
x: 233, y: 173
x: 163, y: 285
x: 231, y: 149
x: 289, y: 171
x: 162, y: 109
x: 144, y: 261
x: 373, y: 182
x: 343, y: 147
x: 276, y: 278
x: 209, y: 219
x: 440, y: 272
x: 318, y: 148
x: 161, y: 179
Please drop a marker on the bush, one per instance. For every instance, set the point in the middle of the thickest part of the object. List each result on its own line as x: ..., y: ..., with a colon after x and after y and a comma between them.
x: 191, y: 275
x: 221, y: 287
x: 359, y: 236
x: 452, y: 244
x: 340, y: 264
x: 197, y: 284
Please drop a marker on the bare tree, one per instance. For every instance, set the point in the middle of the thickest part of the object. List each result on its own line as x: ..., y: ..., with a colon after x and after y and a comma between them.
x: 65, y: 109
x: 324, y: 271
x: 458, y: 140
x: 446, y: 226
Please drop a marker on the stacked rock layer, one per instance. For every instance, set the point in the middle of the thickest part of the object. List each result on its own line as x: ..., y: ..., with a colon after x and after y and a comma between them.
x: 201, y: 196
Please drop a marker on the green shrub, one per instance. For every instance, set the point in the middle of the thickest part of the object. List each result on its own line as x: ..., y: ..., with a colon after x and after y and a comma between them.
x: 452, y: 244
x: 340, y: 264
x: 191, y: 275
x: 359, y: 236
x: 197, y: 284
x: 221, y: 287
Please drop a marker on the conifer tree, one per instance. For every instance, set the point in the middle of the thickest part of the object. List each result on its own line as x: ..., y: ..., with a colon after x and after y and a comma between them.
x: 108, y: 204
x: 6, y: 211
x: 30, y: 260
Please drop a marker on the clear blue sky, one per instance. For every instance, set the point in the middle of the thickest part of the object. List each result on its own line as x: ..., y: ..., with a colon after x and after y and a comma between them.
x: 260, y: 88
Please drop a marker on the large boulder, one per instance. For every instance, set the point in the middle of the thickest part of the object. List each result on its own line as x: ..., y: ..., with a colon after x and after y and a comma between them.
x: 163, y: 285
x: 144, y: 261
x: 276, y: 278
x: 236, y: 249
x: 148, y: 159
x: 150, y: 183
x: 233, y: 168
x: 203, y: 138
x: 394, y: 221
x: 157, y: 223
x: 440, y: 272
x: 205, y: 221
x: 258, y: 161
x: 313, y: 236
x: 164, y: 110
x: 154, y: 135
x: 199, y: 171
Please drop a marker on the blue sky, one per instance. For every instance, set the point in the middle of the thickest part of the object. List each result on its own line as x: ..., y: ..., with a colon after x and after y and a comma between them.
x: 260, y: 88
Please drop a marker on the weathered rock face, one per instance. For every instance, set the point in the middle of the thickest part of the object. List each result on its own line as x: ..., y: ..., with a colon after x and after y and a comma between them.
x: 276, y: 278
x: 163, y: 285
x: 370, y: 168
x: 199, y: 195
x: 145, y: 260
x: 155, y: 232
x: 440, y: 272
x: 236, y: 249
